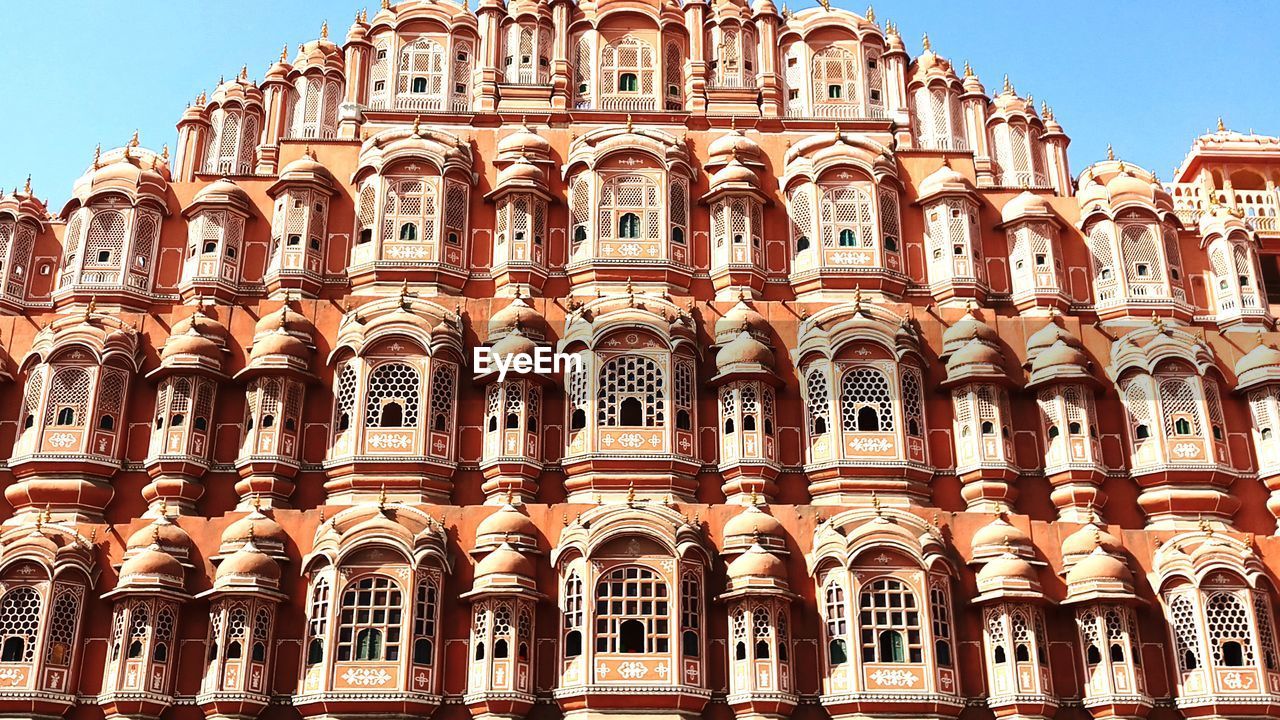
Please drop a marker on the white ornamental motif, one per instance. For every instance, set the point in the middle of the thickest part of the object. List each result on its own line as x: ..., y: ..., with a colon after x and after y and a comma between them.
x: 1186, y: 450
x: 629, y: 249
x: 869, y: 444
x: 382, y: 441
x: 631, y: 440
x: 894, y: 678
x: 1237, y: 681
x: 632, y: 670
x: 407, y: 252
x: 62, y: 440
x: 366, y: 677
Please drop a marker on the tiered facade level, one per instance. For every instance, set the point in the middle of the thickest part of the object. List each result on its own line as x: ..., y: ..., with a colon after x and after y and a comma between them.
x: 880, y: 412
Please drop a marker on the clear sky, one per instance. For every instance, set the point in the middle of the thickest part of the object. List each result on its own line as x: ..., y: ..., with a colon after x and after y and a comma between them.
x: 1145, y: 76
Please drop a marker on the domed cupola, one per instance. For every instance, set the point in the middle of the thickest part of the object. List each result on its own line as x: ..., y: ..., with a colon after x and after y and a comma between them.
x: 508, y: 526
x: 236, y: 115
x: 276, y: 378
x: 734, y: 146
x: 113, y: 220
x: 166, y: 534
x: 187, y: 382
x: 23, y: 219
x: 754, y: 527
x: 1014, y: 132
x: 1061, y: 362
x: 979, y: 385
x: 216, y: 220
x: 934, y: 90
x: 953, y: 237
x: 1032, y: 230
x: 756, y: 571
x: 267, y: 535
x: 1019, y: 677
x: 150, y: 569
x: 522, y: 199
x: 1232, y: 246
x: 746, y: 382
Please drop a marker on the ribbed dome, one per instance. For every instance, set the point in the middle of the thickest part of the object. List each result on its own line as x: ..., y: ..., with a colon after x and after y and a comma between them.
x: 191, y: 343
x: 757, y: 562
x: 732, y: 145
x: 741, y: 317
x: 150, y: 561
x: 965, y: 329
x: 248, y: 563
x: 524, y: 142
x: 973, y: 353
x: 734, y: 173
x: 750, y: 522
x: 1098, y: 566
x: 1059, y: 355
x: 742, y: 350
x: 514, y: 343
x: 999, y: 537
x: 1050, y: 335
x: 504, y: 561
x: 164, y: 533
x: 1086, y: 539
x: 944, y: 180
x: 1260, y: 357
x: 506, y: 521
x: 265, y: 531
x: 222, y: 191
x: 279, y: 343
x: 522, y: 172
x: 1005, y: 568
x: 1026, y: 205
x: 517, y: 314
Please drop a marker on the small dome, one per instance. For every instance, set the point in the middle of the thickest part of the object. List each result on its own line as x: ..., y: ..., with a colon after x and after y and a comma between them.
x: 525, y: 142
x: 1007, y: 567
x: 945, y: 181
x: 506, y: 521
x: 279, y: 343
x: 162, y: 532
x: 1086, y: 539
x: 1262, y: 357
x: 306, y: 169
x: 222, y: 192
x: 517, y: 314
x: 521, y: 172
x: 757, y: 562
x: 974, y: 353
x: 751, y: 522
x: 504, y: 561
x: 265, y: 532
x: 284, y: 317
x: 965, y: 329
x: 514, y: 343
x: 733, y: 145
x: 151, y: 561
x: 744, y: 350
x: 320, y: 53
x: 734, y: 173
x: 999, y: 537
x: 1098, y: 566
x: 191, y: 344
x: 1050, y: 335
x: 741, y: 317
x: 1061, y: 354
x: 1026, y: 205
x: 248, y: 563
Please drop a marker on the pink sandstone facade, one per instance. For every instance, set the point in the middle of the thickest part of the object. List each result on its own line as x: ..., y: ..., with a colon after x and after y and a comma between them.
x: 882, y: 412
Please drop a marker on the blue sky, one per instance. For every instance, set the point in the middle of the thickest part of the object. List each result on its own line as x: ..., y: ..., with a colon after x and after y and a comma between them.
x: 1145, y: 76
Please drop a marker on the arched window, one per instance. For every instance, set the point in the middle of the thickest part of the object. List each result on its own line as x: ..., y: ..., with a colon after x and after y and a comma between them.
x: 410, y: 211
x: 819, y: 402
x: 940, y: 608
x: 846, y: 214
x: 19, y: 622
x: 422, y: 72
x: 632, y: 393
x: 632, y: 611
x: 1186, y: 633
x: 68, y: 397
x: 866, y: 402
x: 629, y: 226
x: 889, y: 619
x: 835, y: 76
x: 572, y: 615
x: 424, y: 622
x: 836, y: 624
x: 371, y: 618
x: 1230, y: 630
x: 393, y: 396
x: 318, y: 621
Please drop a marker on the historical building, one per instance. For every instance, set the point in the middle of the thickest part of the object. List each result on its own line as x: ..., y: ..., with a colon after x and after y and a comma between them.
x: 875, y: 410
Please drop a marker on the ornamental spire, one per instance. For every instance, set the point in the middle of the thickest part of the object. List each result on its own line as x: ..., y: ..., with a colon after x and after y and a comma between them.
x: 871, y: 14
x: 1221, y: 126
x: 928, y: 47
x: 1111, y: 153
x: 324, y: 30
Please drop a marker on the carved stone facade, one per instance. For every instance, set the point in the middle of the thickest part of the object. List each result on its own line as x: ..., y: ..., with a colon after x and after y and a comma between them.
x: 876, y: 411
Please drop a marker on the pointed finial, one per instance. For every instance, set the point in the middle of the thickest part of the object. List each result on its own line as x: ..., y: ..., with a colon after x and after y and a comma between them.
x: 417, y: 124
x: 1157, y: 322
x: 875, y: 504
x: 90, y: 308
x: 404, y: 294
x: 839, y: 132
x: 1008, y: 86
x: 97, y: 156
x: 164, y: 507
x: 630, y: 127
x: 382, y: 497
x: 1221, y: 127
x: 164, y: 152
x: 753, y: 499
x: 928, y: 47
x: 257, y: 503
x: 324, y: 30
x: 871, y: 14
x: 27, y: 187
x: 857, y: 300
x: 631, y: 492
x: 1111, y: 153
x: 284, y: 53
x: 244, y: 72
x: 826, y: 4
x: 968, y: 70
x: 630, y: 290
x: 386, y: 4
x: 1205, y: 526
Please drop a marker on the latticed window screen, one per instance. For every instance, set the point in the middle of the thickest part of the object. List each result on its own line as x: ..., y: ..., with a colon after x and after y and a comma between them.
x: 836, y: 623
x: 1178, y: 401
x: 940, y: 615
x: 628, y: 595
x: 801, y: 214
x: 63, y: 625
x: 68, y: 398
x: 627, y: 65
x: 794, y: 77
x: 380, y: 74
x: 818, y: 401
x: 31, y: 398
x: 19, y: 624
x: 690, y: 601
x: 409, y: 211
x: 578, y: 393
x: 421, y: 77
x: 912, y: 401
x: 424, y: 621
x: 629, y: 194
x: 1228, y: 621
x: 583, y: 60
x: 1186, y: 633
x: 889, y: 622
x: 393, y: 383
x: 317, y: 618
x: 866, y: 402
x: 345, y: 398
x: 370, y: 620
x: 106, y: 238
x: 673, y: 76
x: 1142, y: 257
x: 573, y: 603
x: 455, y: 212
x: 631, y: 378
x: 835, y: 76
x: 460, y: 92
x: 1100, y: 252
x: 444, y: 380
x: 1266, y: 631
x: 847, y: 217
